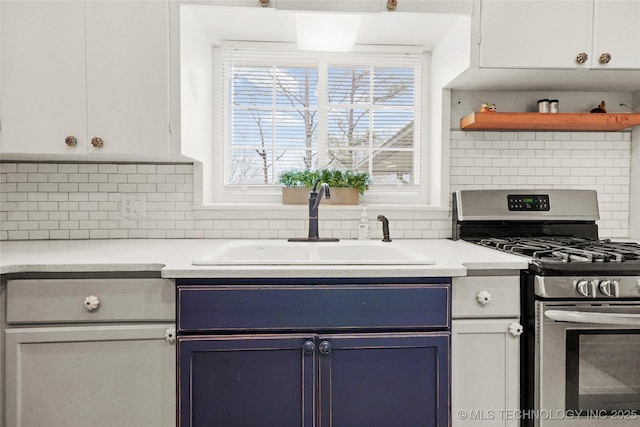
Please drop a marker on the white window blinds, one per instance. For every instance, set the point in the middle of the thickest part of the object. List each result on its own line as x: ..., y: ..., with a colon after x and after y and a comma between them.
x: 297, y: 110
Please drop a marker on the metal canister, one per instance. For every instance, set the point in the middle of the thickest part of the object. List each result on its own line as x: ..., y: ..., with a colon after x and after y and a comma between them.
x: 543, y: 106
x: 554, y: 106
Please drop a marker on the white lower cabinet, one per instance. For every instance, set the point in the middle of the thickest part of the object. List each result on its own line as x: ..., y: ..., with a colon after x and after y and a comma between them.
x: 91, y: 373
x: 485, y: 352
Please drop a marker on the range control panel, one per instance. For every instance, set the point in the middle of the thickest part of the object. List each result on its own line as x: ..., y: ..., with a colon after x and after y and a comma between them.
x: 528, y: 202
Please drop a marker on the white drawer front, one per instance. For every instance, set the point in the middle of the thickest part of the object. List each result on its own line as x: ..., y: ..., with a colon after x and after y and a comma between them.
x: 491, y: 296
x: 90, y: 300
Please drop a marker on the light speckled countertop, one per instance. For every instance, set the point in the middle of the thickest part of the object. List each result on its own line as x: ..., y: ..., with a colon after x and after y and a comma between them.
x: 173, y: 257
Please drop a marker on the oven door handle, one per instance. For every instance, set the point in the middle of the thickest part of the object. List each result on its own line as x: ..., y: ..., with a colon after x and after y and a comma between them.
x: 593, y: 317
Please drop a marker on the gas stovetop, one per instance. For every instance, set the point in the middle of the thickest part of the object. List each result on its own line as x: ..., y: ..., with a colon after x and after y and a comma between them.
x: 571, y: 254
x: 567, y: 249
x: 556, y: 229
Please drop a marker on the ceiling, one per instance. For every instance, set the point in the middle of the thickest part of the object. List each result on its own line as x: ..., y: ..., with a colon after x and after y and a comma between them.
x: 424, y: 30
x: 270, y: 25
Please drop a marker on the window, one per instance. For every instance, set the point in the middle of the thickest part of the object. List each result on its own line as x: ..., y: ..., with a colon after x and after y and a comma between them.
x: 286, y: 109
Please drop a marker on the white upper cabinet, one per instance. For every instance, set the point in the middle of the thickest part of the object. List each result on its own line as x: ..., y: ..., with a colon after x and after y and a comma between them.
x: 430, y: 6
x: 616, y: 34
x: 356, y: 6
x: 534, y: 34
x: 43, y: 77
x: 94, y: 71
x: 128, y: 75
x: 559, y: 34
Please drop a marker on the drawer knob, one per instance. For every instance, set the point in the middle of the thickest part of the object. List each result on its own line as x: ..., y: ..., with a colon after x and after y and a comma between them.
x: 170, y: 334
x: 483, y: 297
x: 516, y: 329
x: 91, y: 303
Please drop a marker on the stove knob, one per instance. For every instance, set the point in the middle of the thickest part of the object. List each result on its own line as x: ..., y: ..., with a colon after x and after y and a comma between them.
x: 605, y: 287
x: 586, y: 288
x: 616, y: 288
x: 610, y: 288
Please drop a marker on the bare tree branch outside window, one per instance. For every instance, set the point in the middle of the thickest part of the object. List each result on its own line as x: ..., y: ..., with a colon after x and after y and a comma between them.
x: 275, y: 112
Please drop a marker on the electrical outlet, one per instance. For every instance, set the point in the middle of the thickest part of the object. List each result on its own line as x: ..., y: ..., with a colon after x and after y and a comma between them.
x: 132, y: 206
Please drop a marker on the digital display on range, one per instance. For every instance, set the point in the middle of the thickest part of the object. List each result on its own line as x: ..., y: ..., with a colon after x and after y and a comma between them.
x: 528, y: 202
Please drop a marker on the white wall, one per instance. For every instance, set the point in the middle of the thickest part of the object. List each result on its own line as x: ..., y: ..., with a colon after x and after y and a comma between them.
x: 634, y: 210
x: 449, y: 58
x: 196, y: 87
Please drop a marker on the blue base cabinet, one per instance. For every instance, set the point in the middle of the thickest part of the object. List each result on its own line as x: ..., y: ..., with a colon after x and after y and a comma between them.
x: 242, y: 381
x: 255, y: 367
x: 381, y: 381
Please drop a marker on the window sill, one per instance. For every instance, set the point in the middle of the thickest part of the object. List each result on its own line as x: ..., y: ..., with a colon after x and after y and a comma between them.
x: 256, y: 211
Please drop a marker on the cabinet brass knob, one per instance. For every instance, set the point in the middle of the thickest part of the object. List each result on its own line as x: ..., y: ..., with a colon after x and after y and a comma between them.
x: 392, y: 4
x: 605, y: 58
x: 91, y: 303
x: 97, y: 142
x: 582, y: 58
x: 264, y: 3
x: 325, y: 347
x: 71, y: 141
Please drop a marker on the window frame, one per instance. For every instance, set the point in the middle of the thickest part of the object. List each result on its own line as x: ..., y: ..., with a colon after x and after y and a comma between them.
x: 222, y: 192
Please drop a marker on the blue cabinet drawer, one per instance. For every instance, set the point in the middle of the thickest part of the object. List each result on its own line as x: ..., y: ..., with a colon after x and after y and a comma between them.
x: 315, y: 307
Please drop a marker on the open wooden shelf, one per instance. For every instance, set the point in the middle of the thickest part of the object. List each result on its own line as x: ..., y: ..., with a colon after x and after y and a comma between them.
x: 602, y: 122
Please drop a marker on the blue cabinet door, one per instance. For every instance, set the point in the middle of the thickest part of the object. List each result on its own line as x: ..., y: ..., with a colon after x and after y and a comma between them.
x: 246, y: 381
x: 342, y: 380
x: 382, y: 380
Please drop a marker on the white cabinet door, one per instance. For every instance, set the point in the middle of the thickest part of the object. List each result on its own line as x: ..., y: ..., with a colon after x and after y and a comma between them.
x: 89, y: 69
x: 535, y: 34
x: 120, y: 376
x: 617, y: 33
x: 128, y: 76
x: 484, y: 373
x: 43, y: 77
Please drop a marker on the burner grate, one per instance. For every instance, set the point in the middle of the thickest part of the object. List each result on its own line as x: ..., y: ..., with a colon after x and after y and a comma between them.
x: 567, y: 249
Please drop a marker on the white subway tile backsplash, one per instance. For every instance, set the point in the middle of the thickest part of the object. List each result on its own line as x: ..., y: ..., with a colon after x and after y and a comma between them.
x: 589, y: 160
x: 82, y: 201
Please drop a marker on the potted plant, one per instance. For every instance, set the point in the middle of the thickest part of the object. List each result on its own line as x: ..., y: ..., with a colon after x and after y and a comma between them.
x: 346, y: 186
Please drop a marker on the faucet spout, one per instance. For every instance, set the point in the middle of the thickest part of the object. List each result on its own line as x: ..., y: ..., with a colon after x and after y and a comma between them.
x: 315, y: 197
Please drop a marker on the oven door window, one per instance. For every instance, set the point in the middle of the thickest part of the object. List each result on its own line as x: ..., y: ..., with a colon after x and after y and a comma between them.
x: 603, y: 370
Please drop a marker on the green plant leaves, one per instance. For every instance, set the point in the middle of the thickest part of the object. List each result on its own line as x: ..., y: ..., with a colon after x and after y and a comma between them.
x: 335, y: 178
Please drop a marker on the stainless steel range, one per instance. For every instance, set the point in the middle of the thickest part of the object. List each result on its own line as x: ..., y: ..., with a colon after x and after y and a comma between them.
x: 580, y: 352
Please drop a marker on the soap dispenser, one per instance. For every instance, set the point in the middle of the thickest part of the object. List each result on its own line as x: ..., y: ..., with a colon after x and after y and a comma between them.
x: 363, y: 227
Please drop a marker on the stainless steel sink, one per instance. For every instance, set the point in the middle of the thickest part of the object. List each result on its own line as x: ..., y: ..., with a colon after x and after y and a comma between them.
x: 345, y: 252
